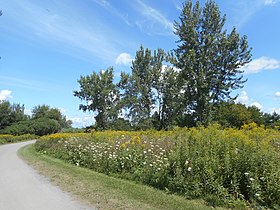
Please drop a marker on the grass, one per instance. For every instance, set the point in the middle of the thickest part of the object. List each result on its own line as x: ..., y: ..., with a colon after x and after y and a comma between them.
x: 102, y: 191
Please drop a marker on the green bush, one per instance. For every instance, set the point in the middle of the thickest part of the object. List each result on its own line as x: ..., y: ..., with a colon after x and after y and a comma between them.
x: 39, y: 127
x: 226, y: 167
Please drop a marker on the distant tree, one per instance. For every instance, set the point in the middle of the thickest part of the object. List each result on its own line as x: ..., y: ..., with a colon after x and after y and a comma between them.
x: 229, y: 114
x: 44, y: 126
x: 40, y: 111
x: 45, y: 111
x: 272, y: 120
x: 101, y: 96
x: 209, y: 58
x: 257, y: 115
x: 10, y: 113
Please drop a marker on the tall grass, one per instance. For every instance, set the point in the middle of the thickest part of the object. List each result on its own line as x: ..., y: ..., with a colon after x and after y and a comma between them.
x: 224, y: 166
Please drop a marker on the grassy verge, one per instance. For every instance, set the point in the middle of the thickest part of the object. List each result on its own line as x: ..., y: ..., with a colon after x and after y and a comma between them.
x: 104, y: 192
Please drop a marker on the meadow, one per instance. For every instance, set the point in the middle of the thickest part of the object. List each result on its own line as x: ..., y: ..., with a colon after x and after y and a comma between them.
x: 225, y: 167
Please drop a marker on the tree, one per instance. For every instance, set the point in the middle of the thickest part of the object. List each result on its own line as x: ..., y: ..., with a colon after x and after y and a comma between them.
x: 45, y: 111
x: 137, y: 96
x: 272, y: 120
x: 229, y: 114
x: 10, y: 113
x: 167, y: 93
x: 40, y: 111
x: 101, y: 96
x: 209, y: 58
x: 149, y: 93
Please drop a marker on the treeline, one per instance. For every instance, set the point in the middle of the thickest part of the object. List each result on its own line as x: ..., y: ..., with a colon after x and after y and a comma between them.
x: 44, y: 120
x: 188, y: 86
x: 119, y: 106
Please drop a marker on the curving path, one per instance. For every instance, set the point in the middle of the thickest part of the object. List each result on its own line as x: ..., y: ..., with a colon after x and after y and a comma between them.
x: 21, y: 188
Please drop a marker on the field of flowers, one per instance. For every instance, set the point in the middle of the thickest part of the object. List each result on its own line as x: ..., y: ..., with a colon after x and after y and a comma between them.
x: 7, y: 138
x: 223, y: 166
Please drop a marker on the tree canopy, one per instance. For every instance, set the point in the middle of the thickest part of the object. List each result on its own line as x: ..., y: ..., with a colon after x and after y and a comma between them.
x: 209, y: 58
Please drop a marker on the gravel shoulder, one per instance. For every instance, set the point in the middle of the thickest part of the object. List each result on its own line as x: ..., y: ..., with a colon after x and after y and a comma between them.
x: 22, y: 188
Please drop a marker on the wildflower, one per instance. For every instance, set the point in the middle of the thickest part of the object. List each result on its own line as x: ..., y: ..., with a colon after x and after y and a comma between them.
x: 151, y: 165
x: 77, y: 164
x: 262, y: 178
x: 246, y: 173
x: 187, y: 162
x: 257, y: 194
x: 236, y: 150
x: 251, y: 179
x: 189, y: 169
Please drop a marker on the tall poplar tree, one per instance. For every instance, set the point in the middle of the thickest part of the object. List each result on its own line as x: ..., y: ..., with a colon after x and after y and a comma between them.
x: 101, y: 96
x: 209, y: 58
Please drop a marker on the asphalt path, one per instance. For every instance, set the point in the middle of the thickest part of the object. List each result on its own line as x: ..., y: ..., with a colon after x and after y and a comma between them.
x: 22, y: 188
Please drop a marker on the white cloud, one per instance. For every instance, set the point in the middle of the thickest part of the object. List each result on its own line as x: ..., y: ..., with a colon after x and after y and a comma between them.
x: 277, y: 94
x: 81, y: 121
x: 269, y: 2
x: 5, y: 95
x: 257, y: 104
x: 261, y: 64
x: 124, y: 59
x: 242, y: 98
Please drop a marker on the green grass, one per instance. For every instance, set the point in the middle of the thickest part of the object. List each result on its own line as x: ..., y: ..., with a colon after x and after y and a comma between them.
x: 104, y: 192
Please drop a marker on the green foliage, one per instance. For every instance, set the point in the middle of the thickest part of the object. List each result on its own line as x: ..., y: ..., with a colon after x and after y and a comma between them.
x: 101, y: 96
x: 229, y: 167
x: 45, y: 126
x: 45, y: 111
x: 7, y: 138
x: 10, y: 113
x: 39, y: 127
x: 151, y: 86
x: 209, y: 58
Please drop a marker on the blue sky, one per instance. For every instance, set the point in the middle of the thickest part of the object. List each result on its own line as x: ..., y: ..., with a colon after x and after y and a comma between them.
x: 46, y: 45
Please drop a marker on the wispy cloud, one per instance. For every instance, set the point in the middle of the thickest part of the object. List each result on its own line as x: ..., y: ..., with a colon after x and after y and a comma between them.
x: 277, y: 94
x: 244, y: 10
x: 5, y: 95
x: 154, y: 21
x: 261, y: 64
x: 62, y: 24
x: 106, y: 5
x: 28, y: 84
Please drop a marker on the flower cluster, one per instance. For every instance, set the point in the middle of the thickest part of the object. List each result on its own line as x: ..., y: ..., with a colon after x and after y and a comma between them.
x: 229, y: 164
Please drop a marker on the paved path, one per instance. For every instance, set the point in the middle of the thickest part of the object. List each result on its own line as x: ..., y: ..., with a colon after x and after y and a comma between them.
x: 21, y: 188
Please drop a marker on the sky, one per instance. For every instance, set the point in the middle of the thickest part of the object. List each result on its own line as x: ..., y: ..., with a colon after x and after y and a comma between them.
x: 46, y: 45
